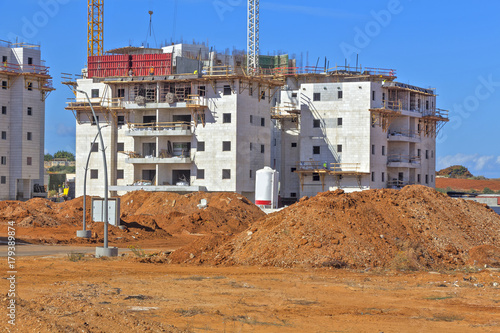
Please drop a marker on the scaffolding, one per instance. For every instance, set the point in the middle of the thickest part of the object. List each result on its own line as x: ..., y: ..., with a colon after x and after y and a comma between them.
x: 385, y: 114
x: 35, y: 77
x: 432, y: 122
x: 109, y: 107
x: 321, y: 170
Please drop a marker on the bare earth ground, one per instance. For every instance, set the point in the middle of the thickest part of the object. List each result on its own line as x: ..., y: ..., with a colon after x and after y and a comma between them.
x: 467, y: 184
x: 412, y: 260
x: 124, y: 295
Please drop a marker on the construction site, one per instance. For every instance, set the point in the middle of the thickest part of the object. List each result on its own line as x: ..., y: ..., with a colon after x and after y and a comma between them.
x: 186, y: 118
x: 172, y: 142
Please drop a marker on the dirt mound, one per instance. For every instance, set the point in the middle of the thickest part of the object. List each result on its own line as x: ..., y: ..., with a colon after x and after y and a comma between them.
x: 145, y: 215
x: 225, y: 212
x: 42, y: 212
x: 485, y: 255
x: 414, y: 228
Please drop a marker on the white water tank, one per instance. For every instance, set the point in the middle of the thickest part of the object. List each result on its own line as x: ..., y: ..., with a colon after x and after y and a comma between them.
x: 266, y: 187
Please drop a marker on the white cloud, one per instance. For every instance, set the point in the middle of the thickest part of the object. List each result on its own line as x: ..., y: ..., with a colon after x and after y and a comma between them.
x: 475, y: 161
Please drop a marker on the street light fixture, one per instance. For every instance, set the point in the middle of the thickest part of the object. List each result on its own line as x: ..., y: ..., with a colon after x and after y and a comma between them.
x: 102, y: 251
x: 86, y: 233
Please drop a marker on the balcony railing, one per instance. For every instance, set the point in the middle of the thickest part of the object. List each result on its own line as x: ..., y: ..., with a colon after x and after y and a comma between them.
x: 395, y: 183
x: 333, y: 168
x: 402, y: 133
x: 399, y: 158
x: 392, y: 105
x: 160, y: 126
x: 437, y: 113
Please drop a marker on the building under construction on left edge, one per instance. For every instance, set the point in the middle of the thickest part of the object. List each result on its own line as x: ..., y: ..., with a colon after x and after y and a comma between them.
x: 25, y: 84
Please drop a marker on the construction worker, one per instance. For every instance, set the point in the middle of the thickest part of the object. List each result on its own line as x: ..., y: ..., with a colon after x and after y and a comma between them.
x: 131, y: 72
x: 324, y: 165
x: 152, y: 71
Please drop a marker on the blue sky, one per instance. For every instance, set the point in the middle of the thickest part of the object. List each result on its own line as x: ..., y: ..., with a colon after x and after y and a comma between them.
x: 447, y: 45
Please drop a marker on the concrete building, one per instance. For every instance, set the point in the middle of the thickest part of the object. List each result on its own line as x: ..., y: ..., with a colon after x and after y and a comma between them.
x: 212, y: 130
x: 25, y: 84
x: 354, y: 130
x: 175, y: 132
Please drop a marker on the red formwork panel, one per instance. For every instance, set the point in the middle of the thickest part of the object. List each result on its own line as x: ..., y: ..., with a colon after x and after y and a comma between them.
x: 117, y: 64
x: 107, y: 72
x: 120, y: 65
x: 142, y: 64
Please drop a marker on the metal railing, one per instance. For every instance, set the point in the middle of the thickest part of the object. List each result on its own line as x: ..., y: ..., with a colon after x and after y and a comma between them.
x: 392, y: 105
x: 289, y: 71
x: 330, y: 167
x: 160, y: 126
x: 399, y: 183
x: 23, y: 68
x: 439, y: 113
x: 400, y: 158
x: 403, y: 133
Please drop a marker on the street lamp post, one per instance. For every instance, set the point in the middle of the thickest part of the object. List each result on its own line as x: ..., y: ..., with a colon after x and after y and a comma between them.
x: 86, y: 233
x: 102, y: 251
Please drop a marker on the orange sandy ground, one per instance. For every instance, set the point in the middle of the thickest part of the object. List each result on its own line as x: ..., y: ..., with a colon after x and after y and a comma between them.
x: 121, y: 294
x: 467, y: 184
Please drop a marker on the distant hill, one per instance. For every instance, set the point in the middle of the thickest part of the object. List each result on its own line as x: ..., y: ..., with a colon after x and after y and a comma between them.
x: 455, y: 171
x: 456, y: 184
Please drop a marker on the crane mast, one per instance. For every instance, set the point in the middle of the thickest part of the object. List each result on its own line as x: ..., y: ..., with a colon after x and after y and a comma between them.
x: 253, y: 37
x: 95, y: 27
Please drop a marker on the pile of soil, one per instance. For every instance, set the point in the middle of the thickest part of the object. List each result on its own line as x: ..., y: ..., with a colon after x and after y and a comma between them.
x: 225, y: 213
x: 145, y: 215
x: 40, y: 212
x: 414, y: 228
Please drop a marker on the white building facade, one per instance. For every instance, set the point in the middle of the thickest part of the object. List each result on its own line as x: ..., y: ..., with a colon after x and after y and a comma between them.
x: 354, y: 132
x: 25, y: 83
x: 212, y: 130
x: 177, y: 133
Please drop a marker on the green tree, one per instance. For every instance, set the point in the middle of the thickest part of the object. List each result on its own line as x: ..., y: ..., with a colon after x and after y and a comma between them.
x: 62, y: 169
x: 487, y: 190
x: 48, y: 157
x: 65, y: 154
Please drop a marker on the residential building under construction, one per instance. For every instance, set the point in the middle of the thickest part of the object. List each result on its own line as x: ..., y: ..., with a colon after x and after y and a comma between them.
x: 25, y: 84
x: 185, y: 118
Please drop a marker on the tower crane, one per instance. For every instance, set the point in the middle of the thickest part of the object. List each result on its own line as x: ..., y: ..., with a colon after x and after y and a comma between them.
x: 95, y: 27
x: 253, y: 37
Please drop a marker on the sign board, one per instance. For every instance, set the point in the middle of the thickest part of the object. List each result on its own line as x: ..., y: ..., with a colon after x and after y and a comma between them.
x: 113, y: 210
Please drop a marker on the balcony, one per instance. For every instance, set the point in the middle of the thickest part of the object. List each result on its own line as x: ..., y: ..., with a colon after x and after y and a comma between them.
x: 328, y: 168
x: 403, y: 161
x: 403, y: 136
x: 158, y: 160
x: 288, y: 110
x: 159, y: 129
x: 166, y: 156
x: 397, y: 184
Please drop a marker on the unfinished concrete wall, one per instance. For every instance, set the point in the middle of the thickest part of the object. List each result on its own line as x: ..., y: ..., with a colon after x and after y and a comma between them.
x: 23, y: 124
